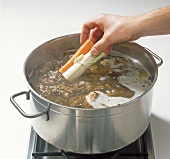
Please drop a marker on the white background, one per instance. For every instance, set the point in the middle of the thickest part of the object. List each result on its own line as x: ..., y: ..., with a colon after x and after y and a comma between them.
x: 25, y: 24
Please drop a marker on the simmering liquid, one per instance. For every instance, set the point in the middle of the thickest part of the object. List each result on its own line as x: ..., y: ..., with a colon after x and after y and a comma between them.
x: 116, y: 77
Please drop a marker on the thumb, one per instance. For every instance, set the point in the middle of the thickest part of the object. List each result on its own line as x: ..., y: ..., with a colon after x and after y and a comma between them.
x: 100, y: 46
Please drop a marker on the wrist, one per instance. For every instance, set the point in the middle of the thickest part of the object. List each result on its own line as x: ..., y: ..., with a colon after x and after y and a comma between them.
x: 135, y: 27
x: 139, y: 26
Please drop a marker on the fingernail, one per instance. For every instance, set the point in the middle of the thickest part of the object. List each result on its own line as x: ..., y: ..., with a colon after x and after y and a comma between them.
x: 94, y: 51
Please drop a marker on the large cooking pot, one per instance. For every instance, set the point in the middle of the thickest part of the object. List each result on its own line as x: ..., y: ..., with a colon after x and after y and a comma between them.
x: 89, y: 131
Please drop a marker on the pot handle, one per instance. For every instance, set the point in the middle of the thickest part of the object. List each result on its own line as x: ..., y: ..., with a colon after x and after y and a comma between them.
x: 155, y: 56
x: 12, y: 100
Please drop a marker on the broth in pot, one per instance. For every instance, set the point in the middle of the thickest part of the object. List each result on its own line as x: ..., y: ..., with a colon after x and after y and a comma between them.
x: 111, y: 81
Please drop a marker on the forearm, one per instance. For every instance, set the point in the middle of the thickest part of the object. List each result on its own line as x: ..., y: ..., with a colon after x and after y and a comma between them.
x: 156, y: 22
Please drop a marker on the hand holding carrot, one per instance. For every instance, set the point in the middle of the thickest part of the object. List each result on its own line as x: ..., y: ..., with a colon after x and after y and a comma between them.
x: 106, y: 30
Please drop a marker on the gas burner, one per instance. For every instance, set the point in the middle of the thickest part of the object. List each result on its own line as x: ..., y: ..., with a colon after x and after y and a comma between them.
x: 142, y: 148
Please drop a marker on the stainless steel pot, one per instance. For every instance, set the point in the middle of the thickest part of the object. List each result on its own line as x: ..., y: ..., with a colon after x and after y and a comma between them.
x: 89, y: 131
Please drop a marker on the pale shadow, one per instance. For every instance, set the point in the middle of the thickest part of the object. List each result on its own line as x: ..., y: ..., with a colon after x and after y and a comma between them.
x: 161, y: 137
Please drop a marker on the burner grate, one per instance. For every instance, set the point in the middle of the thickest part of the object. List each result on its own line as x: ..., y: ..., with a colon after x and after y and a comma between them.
x: 111, y: 155
x: 67, y: 155
x: 140, y: 149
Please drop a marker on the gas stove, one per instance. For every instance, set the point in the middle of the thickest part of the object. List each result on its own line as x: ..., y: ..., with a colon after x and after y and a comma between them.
x: 142, y: 148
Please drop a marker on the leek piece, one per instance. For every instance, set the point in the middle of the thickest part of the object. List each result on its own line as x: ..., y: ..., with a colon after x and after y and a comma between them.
x: 80, y: 65
x: 98, y: 57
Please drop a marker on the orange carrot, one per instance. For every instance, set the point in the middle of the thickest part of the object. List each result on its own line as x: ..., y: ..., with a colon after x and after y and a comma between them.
x: 85, y: 48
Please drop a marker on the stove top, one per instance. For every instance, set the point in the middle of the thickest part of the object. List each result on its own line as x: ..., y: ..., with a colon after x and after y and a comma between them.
x: 142, y: 148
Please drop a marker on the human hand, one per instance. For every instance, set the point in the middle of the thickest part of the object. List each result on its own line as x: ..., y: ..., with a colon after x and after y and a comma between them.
x: 106, y: 30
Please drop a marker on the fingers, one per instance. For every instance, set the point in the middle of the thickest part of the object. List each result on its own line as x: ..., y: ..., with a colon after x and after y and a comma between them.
x: 84, y: 36
x: 104, y: 44
x: 107, y: 50
x: 95, y: 35
x: 94, y: 30
x: 86, y: 29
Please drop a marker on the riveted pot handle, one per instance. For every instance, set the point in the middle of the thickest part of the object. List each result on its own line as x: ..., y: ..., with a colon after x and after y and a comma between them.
x: 160, y: 61
x: 12, y: 99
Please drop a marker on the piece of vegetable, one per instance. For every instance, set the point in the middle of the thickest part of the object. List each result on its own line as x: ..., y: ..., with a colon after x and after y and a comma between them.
x: 84, y: 49
x: 80, y: 65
